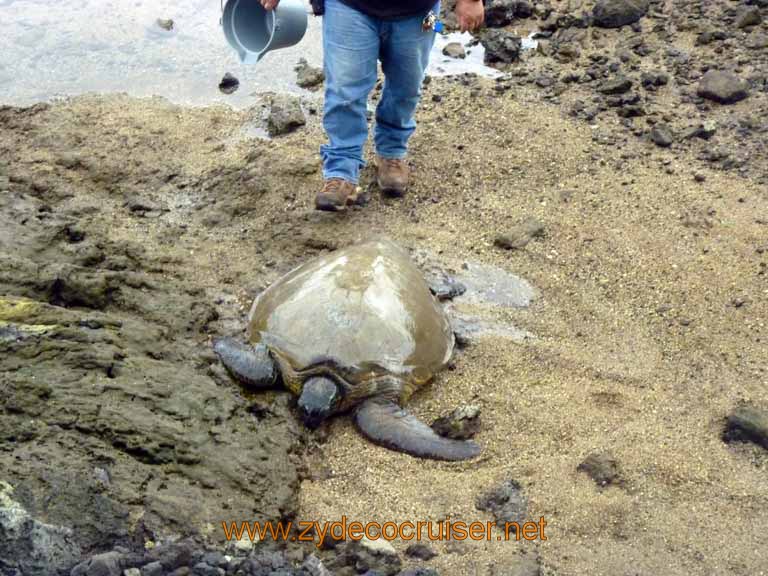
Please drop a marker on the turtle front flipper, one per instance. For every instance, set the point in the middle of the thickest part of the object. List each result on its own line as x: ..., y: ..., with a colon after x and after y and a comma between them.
x: 250, y: 365
x: 386, y: 423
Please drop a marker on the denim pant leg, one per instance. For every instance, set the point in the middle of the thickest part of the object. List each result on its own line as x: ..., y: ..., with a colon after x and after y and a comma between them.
x: 350, y: 53
x: 404, y: 55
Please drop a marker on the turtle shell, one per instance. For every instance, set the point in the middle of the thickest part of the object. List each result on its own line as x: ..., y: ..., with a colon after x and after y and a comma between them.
x: 362, y: 313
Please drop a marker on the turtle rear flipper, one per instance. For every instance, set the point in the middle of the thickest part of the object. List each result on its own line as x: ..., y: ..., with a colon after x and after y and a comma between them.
x: 251, y: 365
x: 386, y: 423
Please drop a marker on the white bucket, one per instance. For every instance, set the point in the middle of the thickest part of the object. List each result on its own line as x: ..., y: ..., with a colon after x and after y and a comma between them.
x: 253, y: 31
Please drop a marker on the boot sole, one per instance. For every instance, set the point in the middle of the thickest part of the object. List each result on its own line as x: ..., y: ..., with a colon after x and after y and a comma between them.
x: 391, y: 191
x: 327, y: 205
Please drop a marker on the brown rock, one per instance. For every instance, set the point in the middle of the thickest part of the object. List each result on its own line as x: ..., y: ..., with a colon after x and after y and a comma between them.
x: 602, y: 468
x: 454, y: 50
x: 520, y: 235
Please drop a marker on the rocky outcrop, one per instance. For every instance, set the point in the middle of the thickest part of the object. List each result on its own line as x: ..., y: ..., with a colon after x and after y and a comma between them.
x: 116, y: 426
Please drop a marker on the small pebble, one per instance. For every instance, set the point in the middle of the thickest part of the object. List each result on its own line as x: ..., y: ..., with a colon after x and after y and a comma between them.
x: 165, y: 23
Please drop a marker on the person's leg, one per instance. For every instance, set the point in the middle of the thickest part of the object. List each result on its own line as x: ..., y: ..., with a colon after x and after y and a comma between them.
x: 350, y: 53
x: 404, y: 54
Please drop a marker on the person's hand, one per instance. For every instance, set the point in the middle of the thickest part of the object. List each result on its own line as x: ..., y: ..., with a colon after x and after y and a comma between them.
x: 469, y: 13
x: 269, y: 4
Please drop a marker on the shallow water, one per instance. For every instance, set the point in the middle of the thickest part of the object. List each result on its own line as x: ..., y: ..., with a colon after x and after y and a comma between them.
x: 61, y: 47
x: 530, y: 41
x: 493, y: 286
x: 441, y: 65
x: 489, y: 294
x: 55, y: 48
x: 489, y: 291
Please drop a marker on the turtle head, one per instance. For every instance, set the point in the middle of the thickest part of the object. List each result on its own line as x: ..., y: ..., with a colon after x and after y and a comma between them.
x: 318, y: 400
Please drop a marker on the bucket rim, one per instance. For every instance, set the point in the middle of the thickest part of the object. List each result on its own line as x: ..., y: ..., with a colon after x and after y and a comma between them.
x: 241, y: 47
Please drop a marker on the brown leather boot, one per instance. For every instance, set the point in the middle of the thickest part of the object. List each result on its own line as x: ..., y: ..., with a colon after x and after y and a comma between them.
x: 392, y: 175
x: 336, y: 195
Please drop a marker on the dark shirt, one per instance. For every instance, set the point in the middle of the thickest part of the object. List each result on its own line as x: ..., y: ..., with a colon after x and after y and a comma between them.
x: 392, y: 9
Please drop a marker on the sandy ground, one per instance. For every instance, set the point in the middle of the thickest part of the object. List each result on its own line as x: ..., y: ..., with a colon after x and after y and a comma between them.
x: 640, y: 351
x: 650, y: 320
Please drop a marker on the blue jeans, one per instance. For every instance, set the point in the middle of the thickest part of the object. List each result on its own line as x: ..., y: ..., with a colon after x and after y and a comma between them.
x: 352, y: 44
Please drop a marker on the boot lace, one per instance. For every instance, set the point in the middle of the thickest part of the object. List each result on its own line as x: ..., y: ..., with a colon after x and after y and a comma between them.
x: 393, y: 163
x: 332, y: 186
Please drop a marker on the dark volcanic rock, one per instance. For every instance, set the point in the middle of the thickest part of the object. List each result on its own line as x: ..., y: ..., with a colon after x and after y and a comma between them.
x: 445, y: 287
x: 704, y: 131
x: 499, y: 13
x: 747, y: 424
x: 602, y: 468
x: 229, y: 84
x: 108, y: 564
x: 501, y: 46
x: 506, y: 502
x: 617, y: 85
x: 315, y: 567
x: 617, y: 13
x: 757, y: 41
x: 32, y: 547
x: 308, y: 76
x: 566, y: 21
x: 153, y: 569
x: 285, y: 114
x: 567, y: 52
x: 652, y: 80
x: 723, y: 87
x: 205, y: 569
x: 278, y: 563
x: 461, y: 424
x: 215, y: 558
x: 661, y: 135
x: 709, y: 36
x: 545, y: 81
x: 420, y: 551
x: 172, y: 556
x: 523, y: 9
x: 750, y: 16
x: 420, y: 571
x: 377, y: 556
x: 188, y: 558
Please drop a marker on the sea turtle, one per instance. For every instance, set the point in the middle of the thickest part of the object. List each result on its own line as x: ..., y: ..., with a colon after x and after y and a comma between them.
x: 355, y: 329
